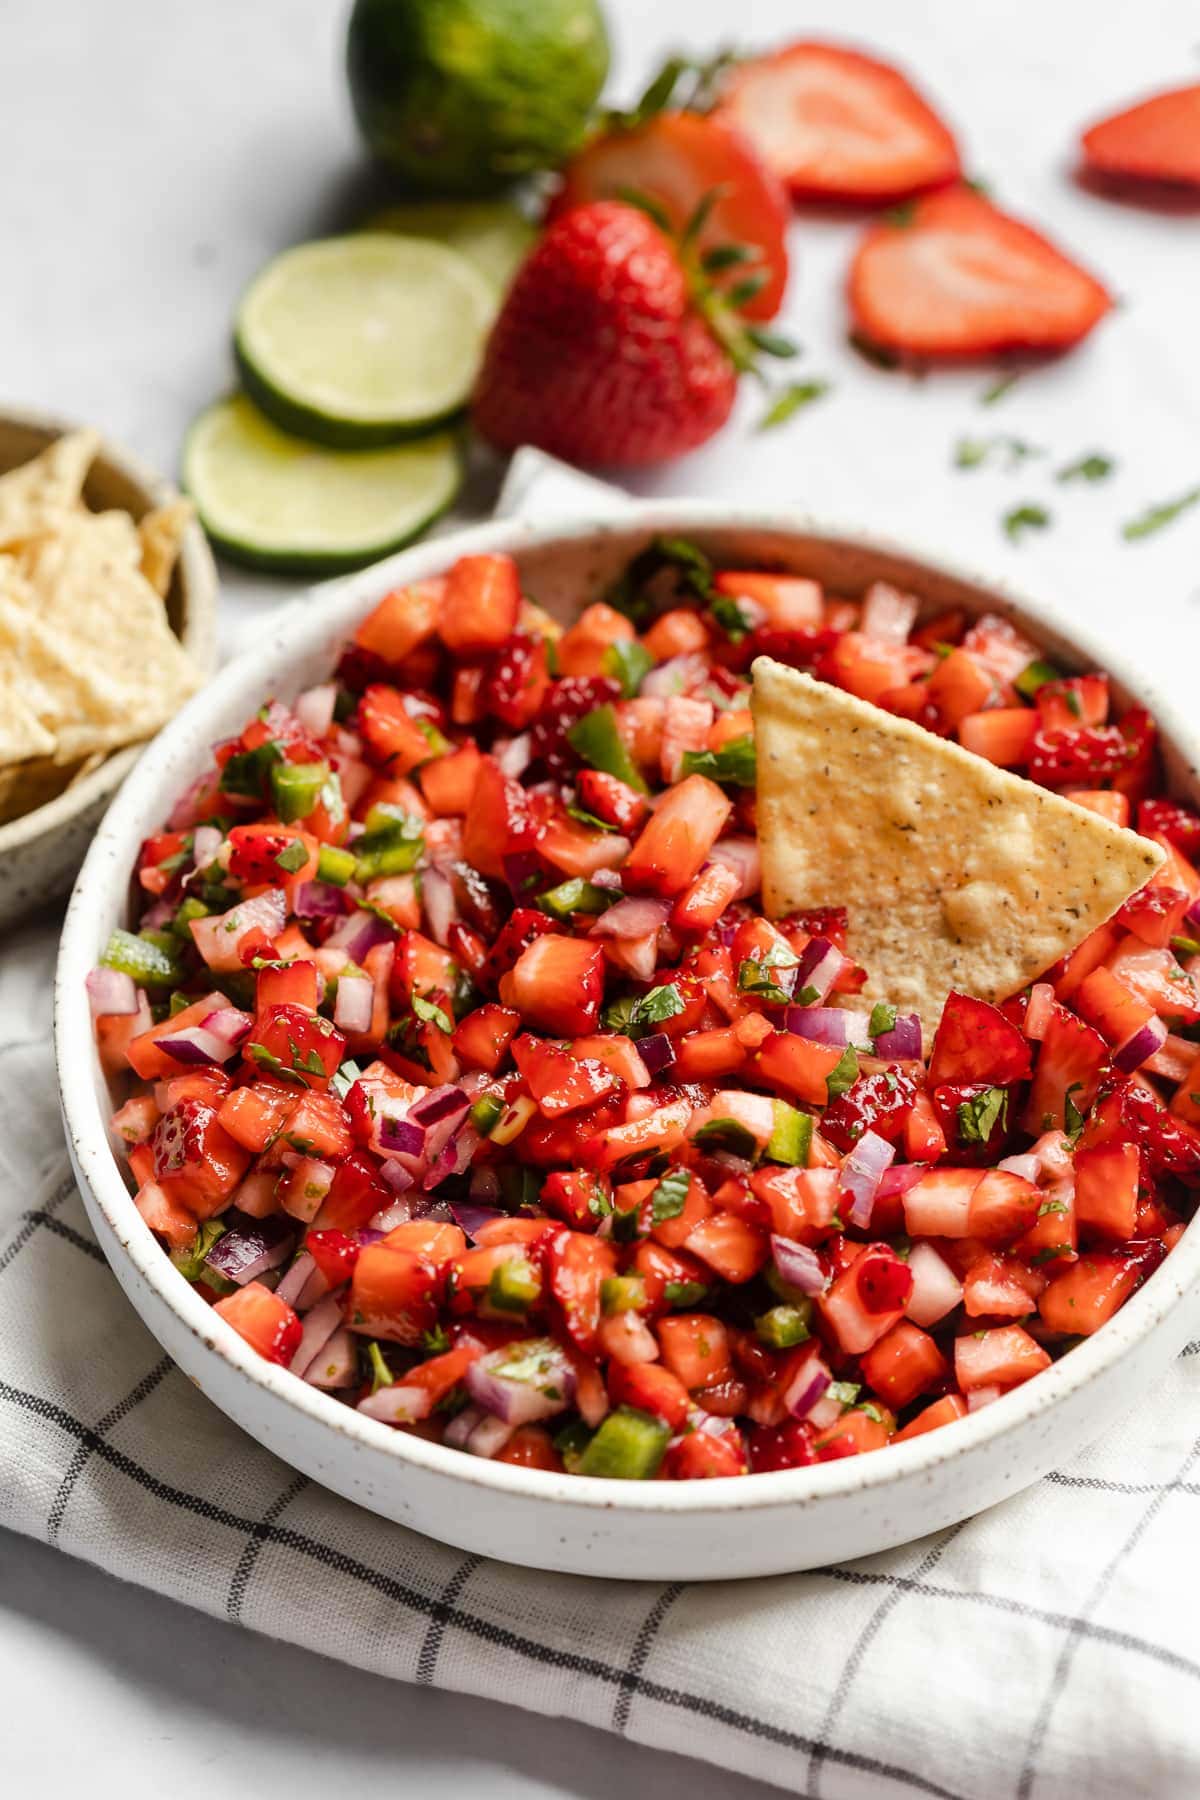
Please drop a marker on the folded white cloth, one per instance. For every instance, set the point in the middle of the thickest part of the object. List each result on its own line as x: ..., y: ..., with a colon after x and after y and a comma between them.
x: 1048, y: 1647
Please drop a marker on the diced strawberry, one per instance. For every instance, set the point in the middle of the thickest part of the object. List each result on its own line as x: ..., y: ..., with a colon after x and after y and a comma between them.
x: 392, y: 735
x: 1086, y: 1295
x: 880, y: 1102
x: 962, y: 278
x: 679, y: 835
x: 498, y: 821
x: 867, y: 1299
x: 652, y: 1388
x: 1067, y: 756
x: 958, y: 687
x: 1115, y: 1011
x: 868, y: 667
x: 481, y: 1040
x: 267, y: 1323
x: 903, y: 1363
x: 730, y: 1245
x: 963, y: 1109
x: 701, y: 1457
x: 1002, y: 1207
x: 1000, y: 1358
x: 796, y: 1066
x: 480, y: 604
x: 1105, y: 802
x: 1003, y: 735
x: 394, y: 1294
x: 611, y: 799
x: 1107, y: 1177
x: 938, y: 1205
x: 565, y: 703
x: 942, y: 1412
x: 404, y: 618
x: 785, y: 1446
x: 196, y: 1162
x: 448, y: 782
x: 1169, y: 819
x: 1070, y: 1063
x: 557, y: 985
x: 516, y: 680
x: 356, y: 1195
x: 1077, y: 700
x: 575, y: 1268
x: 695, y: 1348
x: 975, y: 1042
x: 301, y: 1047
x: 1000, y: 1287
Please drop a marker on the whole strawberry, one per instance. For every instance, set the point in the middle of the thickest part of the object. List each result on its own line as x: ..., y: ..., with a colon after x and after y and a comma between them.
x: 606, y: 350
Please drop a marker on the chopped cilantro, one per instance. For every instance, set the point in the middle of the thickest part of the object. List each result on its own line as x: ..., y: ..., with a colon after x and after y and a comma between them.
x: 1049, y: 1254
x: 726, y: 1134
x: 435, y: 1342
x: 999, y: 388
x: 1157, y: 516
x: 872, y: 1411
x: 381, y: 1375
x: 634, y: 1015
x: 266, y: 1059
x: 978, y: 1118
x: 1093, y: 467
x: 1072, y: 1117
x: 844, y: 1392
x: 973, y: 453
x: 670, y: 1196
x: 1051, y: 1206
x: 432, y: 1014
x: 587, y: 818
x: 729, y: 616
x: 343, y: 1078
x: 790, y: 401
x: 844, y: 1074
x: 628, y: 661
x: 883, y: 1018
x: 1027, y: 517
x: 735, y: 763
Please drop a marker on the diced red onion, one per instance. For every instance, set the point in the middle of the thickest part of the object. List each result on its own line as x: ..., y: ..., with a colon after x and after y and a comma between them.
x: 319, y: 1327
x: 936, y: 1289
x: 833, y: 1026
x: 861, y: 1173
x: 513, y: 757
x: 111, y: 993
x: 292, y: 1281
x: 442, y: 1111
x: 638, y: 957
x: 217, y: 938
x: 1175, y: 1061
x: 821, y: 962
x: 195, y: 1047
x: 359, y: 933
x: 634, y: 918
x: 206, y: 841
x: 397, y: 1405
x: 336, y: 1364
x: 398, y: 1177
x: 1141, y: 1044
x: 246, y: 1251
x: 473, y: 1219
x: 899, y: 1180
x: 314, y: 708
x: 518, y: 1402
x: 887, y: 613
x: 606, y: 878
x: 403, y: 1137
x: 675, y: 675
x: 903, y: 1042
x: 462, y: 1425
x: 1038, y: 1010
x: 229, y: 1024
x: 489, y: 1436
x: 159, y: 916
x: 437, y: 898
x: 798, y: 1265
x: 397, y: 1212
x: 319, y: 900
x: 1028, y: 1166
x: 1192, y: 915
x: 454, y: 1158
x: 355, y: 1003
x: 807, y: 1387
x: 826, y: 1412
x: 315, y: 1289
x: 627, y: 1339
x: 743, y: 856
x: 657, y: 1052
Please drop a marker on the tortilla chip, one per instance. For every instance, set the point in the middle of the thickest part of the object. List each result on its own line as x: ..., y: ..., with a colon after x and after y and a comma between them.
x: 36, y: 496
x: 957, y: 876
x: 87, y: 589
x: 161, y: 535
x: 22, y: 733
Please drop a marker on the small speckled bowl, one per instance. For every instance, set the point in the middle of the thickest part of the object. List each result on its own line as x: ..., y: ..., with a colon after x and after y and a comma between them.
x: 691, y: 1530
x: 41, y: 851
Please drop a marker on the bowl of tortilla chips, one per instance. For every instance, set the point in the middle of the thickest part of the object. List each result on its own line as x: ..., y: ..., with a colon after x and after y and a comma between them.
x: 107, y: 625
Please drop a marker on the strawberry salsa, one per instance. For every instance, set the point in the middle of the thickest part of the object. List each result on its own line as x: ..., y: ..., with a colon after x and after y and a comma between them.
x: 473, y: 1087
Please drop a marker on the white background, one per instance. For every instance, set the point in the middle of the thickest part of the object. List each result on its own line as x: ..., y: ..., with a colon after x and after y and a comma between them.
x: 152, y: 155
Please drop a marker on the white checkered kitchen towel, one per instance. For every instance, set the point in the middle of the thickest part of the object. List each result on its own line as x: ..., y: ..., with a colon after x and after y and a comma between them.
x: 1047, y: 1648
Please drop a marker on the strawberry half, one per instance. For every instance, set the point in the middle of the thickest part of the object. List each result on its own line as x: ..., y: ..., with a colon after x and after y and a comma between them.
x: 676, y: 158
x: 837, y: 125
x: 608, y: 349
x: 961, y: 278
x: 1157, y: 140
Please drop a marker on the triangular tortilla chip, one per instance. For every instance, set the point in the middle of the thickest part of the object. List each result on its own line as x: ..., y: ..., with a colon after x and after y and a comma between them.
x: 956, y: 875
x: 161, y: 535
x: 35, y: 496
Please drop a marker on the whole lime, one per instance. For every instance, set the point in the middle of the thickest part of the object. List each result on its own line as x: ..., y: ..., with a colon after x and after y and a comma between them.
x: 461, y: 96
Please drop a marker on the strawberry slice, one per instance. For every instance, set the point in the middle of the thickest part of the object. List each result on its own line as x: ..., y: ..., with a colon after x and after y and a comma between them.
x: 677, y: 158
x: 1157, y: 140
x: 961, y: 278
x: 835, y: 124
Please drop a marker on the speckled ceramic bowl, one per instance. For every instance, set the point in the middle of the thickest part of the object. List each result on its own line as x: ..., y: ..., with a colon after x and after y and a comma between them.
x: 681, y: 1530
x: 41, y: 851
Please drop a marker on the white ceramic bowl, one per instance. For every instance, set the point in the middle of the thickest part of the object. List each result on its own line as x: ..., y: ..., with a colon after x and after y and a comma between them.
x: 679, y: 1530
x: 41, y: 850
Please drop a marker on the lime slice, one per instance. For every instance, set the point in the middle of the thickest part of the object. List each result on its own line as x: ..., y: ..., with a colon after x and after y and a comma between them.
x: 363, y: 340
x: 277, y: 502
x: 494, y: 237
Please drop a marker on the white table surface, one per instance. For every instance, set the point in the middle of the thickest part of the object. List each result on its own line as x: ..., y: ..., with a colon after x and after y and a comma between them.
x: 155, y: 154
